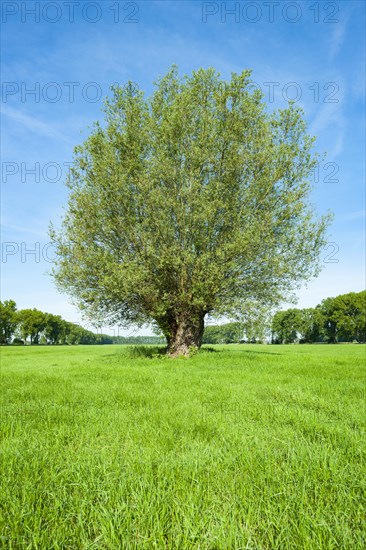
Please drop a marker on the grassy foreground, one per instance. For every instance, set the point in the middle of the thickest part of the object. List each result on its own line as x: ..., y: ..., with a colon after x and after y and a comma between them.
x: 111, y: 447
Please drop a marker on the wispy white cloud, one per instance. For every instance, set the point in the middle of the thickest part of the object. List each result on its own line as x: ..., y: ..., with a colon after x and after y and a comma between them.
x: 357, y: 215
x: 24, y: 230
x: 31, y: 123
x: 337, y: 38
x: 330, y: 119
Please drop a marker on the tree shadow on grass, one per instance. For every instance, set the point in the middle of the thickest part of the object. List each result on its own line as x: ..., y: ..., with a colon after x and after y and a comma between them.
x: 147, y: 351
x: 260, y: 352
x: 245, y: 351
x: 152, y: 352
x: 161, y: 351
x: 209, y: 350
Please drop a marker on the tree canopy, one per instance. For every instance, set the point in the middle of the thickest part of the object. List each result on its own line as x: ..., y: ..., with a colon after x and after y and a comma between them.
x: 342, y: 318
x: 345, y: 317
x: 8, y: 320
x: 42, y: 328
x: 193, y: 201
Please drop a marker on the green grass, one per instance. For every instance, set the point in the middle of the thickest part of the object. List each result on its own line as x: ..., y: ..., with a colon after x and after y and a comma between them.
x: 255, y: 447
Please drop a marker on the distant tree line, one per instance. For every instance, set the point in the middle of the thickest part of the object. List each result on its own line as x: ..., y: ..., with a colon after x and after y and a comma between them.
x: 234, y: 333
x: 38, y: 327
x: 222, y: 334
x: 339, y: 319
x: 253, y: 327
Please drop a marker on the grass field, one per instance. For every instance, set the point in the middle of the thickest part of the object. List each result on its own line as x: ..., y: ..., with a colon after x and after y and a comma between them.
x: 250, y: 446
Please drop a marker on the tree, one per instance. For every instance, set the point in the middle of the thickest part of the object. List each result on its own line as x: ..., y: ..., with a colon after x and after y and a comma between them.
x: 255, y: 323
x: 8, y: 321
x: 293, y: 325
x: 345, y: 317
x: 342, y: 318
x: 31, y: 323
x: 73, y: 333
x: 228, y: 333
x: 212, y: 335
x: 286, y: 326
x: 191, y: 202
x: 54, y: 327
x: 311, y: 323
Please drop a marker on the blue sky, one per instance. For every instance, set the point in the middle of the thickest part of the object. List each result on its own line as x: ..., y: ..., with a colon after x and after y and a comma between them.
x: 60, y: 58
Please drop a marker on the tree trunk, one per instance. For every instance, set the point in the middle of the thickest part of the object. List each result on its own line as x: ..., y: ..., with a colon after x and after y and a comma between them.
x: 185, y: 334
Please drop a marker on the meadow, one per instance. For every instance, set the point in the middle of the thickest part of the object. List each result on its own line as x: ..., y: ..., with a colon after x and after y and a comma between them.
x: 239, y: 447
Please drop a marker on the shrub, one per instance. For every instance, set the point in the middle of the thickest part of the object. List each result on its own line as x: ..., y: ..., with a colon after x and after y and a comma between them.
x: 17, y: 342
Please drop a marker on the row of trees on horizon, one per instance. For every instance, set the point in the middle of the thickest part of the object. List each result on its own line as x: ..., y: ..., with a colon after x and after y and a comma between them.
x: 38, y: 327
x: 339, y: 319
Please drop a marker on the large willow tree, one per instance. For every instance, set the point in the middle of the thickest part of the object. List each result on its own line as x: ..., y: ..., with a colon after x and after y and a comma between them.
x: 194, y: 201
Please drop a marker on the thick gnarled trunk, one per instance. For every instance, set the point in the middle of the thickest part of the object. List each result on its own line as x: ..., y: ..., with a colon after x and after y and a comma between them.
x: 185, y: 334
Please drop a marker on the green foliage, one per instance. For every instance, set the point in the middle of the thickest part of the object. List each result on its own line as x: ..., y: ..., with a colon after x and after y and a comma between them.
x: 17, y: 342
x: 228, y: 333
x: 191, y: 202
x: 55, y: 328
x: 75, y: 334
x: 8, y: 321
x: 43, y: 328
x: 311, y: 325
x: 336, y: 319
x: 251, y: 328
x: 31, y: 323
x: 287, y: 325
x: 345, y: 317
